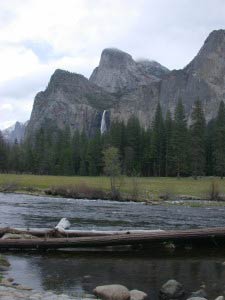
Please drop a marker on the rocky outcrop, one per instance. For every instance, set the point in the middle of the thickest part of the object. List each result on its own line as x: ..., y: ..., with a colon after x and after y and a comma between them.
x: 152, y: 67
x: 15, y: 132
x: 124, y: 87
x: 203, y: 78
x: 118, y: 72
x: 70, y: 100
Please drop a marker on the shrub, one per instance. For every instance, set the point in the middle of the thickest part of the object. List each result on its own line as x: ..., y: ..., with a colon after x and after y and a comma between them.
x: 77, y: 192
x: 9, y: 186
x: 214, y: 192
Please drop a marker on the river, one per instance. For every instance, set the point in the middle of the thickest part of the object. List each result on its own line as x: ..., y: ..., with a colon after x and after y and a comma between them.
x: 79, y: 273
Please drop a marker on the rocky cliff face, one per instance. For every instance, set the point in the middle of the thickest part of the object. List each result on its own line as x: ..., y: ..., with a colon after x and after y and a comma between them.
x: 118, y: 72
x: 125, y: 87
x: 15, y: 132
x: 152, y: 67
x: 203, y: 78
x: 70, y: 100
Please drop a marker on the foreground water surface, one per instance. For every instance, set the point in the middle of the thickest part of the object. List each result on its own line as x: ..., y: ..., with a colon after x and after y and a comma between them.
x: 79, y: 273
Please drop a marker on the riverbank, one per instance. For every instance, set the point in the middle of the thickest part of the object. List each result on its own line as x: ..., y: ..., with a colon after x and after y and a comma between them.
x: 135, y: 189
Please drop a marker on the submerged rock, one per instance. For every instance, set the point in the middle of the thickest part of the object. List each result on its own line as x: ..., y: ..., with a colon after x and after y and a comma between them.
x: 200, y: 293
x: 196, y: 298
x: 220, y: 298
x: 172, y: 289
x: 112, y: 292
x: 137, y: 295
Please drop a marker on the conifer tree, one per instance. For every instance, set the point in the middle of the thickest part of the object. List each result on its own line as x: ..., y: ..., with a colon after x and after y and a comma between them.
x: 210, y: 134
x: 219, y: 142
x: 3, y: 154
x: 132, y: 153
x: 158, y: 143
x: 146, y: 152
x: 83, y: 171
x: 197, y: 131
x: 180, y: 140
x: 94, y: 155
x: 168, y: 144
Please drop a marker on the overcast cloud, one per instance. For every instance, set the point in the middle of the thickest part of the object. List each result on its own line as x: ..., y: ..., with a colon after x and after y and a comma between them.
x: 38, y: 36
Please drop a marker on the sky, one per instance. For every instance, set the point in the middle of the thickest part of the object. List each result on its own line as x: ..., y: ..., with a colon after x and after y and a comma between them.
x: 39, y: 36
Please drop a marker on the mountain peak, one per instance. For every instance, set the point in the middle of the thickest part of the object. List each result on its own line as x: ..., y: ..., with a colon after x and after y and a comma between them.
x: 114, y: 58
x: 209, y: 63
x: 118, y: 72
x: 214, y: 42
x: 15, y: 132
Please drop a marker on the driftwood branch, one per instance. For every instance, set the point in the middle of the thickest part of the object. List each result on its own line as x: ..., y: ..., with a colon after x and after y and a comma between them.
x: 69, y: 233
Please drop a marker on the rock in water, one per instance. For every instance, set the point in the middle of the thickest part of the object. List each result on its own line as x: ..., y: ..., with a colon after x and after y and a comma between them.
x: 63, y: 224
x: 196, y: 298
x: 220, y: 298
x: 112, y: 292
x: 137, y: 295
x: 172, y: 289
x: 200, y: 293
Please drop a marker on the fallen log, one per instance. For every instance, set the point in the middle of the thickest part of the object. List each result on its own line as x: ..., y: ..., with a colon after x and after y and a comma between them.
x: 209, y: 234
x: 43, y: 232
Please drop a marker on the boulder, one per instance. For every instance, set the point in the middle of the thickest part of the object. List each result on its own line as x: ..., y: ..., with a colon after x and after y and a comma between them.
x: 200, y: 293
x: 172, y: 289
x: 196, y: 298
x: 220, y: 298
x: 137, y: 295
x: 112, y: 292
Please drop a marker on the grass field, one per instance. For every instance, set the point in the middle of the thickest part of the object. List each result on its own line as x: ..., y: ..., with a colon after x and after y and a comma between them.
x: 150, y: 188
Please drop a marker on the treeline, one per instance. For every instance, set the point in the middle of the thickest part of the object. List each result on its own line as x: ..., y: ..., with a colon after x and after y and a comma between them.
x: 168, y: 148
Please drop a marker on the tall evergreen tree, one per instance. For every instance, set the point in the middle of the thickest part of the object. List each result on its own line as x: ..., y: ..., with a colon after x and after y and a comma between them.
x: 219, y: 142
x: 197, y: 131
x: 3, y: 154
x: 83, y: 171
x: 210, y: 134
x: 158, y: 143
x: 94, y: 155
x: 168, y: 144
x: 132, y: 153
x: 180, y: 140
x: 146, y: 152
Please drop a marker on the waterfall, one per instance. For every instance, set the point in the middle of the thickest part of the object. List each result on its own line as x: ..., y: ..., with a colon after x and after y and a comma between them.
x: 103, y: 123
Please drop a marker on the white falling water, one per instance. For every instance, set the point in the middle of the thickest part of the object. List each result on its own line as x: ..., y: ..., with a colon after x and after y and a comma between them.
x: 103, y: 123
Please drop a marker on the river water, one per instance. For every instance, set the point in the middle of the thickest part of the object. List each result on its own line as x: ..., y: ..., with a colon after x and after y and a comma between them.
x: 79, y: 273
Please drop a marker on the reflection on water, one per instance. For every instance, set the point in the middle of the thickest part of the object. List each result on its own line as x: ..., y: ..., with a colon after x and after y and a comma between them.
x: 79, y: 274
x: 74, y: 273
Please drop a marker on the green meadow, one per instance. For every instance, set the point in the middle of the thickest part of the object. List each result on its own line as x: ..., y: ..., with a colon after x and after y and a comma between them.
x: 147, y: 188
